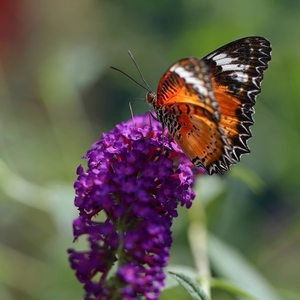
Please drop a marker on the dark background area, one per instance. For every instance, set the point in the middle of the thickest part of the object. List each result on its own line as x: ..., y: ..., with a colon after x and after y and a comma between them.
x: 58, y: 94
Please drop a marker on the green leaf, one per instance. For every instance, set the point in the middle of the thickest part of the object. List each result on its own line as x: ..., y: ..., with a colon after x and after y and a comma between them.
x: 230, y: 288
x: 208, y: 188
x: 231, y: 264
x: 170, y: 282
x: 250, y: 178
x: 190, y: 285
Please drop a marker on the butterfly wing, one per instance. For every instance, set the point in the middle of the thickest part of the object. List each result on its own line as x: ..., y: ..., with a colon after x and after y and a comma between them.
x: 186, y: 105
x: 236, y: 73
x: 201, y: 139
x: 207, y: 104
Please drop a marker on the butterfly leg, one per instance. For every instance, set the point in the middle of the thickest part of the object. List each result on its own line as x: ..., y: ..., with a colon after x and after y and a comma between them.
x: 154, y: 117
x: 163, y: 138
x: 131, y: 112
x: 163, y: 130
x: 150, y: 123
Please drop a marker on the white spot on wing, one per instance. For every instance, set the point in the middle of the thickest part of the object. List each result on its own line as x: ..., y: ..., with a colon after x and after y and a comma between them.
x: 234, y: 67
x: 190, y: 78
x: 219, y: 56
x: 240, y: 76
x: 223, y: 60
x: 174, y: 67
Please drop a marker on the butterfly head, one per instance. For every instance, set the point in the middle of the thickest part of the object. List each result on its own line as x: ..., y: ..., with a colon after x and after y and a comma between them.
x: 151, y: 98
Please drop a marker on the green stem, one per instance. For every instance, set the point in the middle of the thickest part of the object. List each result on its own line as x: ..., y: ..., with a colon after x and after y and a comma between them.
x: 197, y: 234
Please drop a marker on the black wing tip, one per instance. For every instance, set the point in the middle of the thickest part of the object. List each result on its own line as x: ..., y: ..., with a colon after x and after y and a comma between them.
x: 254, y: 38
x: 230, y: 157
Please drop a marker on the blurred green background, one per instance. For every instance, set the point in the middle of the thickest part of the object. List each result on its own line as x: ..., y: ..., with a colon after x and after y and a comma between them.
x: 58, y: 94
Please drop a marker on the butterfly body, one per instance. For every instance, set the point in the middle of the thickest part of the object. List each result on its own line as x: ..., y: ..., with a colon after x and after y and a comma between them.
x: 207, y: 104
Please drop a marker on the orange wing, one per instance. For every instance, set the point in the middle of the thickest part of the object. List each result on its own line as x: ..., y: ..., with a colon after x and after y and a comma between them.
x: 186, y: 105
x: 236, y: 72
x: 202, y: 139
x: 207, y: 104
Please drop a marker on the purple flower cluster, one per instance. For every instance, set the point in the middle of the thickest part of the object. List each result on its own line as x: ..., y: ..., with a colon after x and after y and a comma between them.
x: 135, y: 185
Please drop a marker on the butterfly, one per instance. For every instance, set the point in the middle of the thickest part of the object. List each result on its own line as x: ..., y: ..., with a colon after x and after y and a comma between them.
x: 207, y: 104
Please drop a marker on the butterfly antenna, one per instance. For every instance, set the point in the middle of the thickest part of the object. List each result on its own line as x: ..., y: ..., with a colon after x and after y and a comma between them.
x: 139, y: 70
x: 114, y: 68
